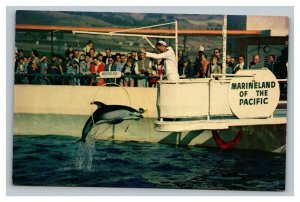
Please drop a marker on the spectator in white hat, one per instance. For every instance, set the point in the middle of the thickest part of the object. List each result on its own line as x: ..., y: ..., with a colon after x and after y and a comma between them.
x: 198, y: 59
x: 201, y: 49
x: 167, y: 55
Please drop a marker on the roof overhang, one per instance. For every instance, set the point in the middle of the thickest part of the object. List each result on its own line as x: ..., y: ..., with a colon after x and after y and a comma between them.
x: 183, y: 32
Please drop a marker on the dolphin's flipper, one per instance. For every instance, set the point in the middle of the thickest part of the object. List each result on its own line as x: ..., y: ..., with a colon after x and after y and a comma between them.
x: 101, y: 122
x: 116, y: 121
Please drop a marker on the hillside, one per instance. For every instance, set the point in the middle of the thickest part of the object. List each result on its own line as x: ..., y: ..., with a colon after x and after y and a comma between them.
x: 108, y: 19
x: 40, y: 40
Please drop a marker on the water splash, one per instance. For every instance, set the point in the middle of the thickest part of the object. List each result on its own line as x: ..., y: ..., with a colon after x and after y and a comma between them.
x: 84, y: 153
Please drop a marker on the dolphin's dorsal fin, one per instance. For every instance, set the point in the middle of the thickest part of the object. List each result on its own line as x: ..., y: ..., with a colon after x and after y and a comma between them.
x: 99, y: 104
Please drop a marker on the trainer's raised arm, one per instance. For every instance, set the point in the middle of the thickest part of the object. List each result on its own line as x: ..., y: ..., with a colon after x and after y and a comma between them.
x: 167, y: 55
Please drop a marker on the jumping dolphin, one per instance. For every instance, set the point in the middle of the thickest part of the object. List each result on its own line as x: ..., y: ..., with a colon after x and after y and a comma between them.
x: 111, y: 114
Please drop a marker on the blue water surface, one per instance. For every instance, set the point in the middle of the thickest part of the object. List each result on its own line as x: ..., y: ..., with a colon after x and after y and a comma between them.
x: 55, y: 160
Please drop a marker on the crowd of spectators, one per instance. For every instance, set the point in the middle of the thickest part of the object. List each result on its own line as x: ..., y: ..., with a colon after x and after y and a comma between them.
x: 203, y: 67
x: 83, y: 67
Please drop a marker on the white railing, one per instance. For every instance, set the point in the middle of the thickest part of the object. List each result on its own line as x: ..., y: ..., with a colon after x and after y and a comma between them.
x: 200, y: 97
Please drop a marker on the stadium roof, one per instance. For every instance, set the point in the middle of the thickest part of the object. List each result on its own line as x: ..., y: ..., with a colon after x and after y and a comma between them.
x: 182, y: 32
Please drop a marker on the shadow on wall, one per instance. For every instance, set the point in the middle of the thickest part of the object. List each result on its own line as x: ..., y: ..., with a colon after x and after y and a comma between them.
x: 170, y: 139
x: 175, y: 138
x: 264, y: 138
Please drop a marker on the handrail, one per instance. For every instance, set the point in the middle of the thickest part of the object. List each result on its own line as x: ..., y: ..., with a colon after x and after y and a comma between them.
x: 139, y: 76
x: 181, y: 80
x: 282, y: 80
x: 37, y: 77
x: 232, y: 75
x: 80, y: 75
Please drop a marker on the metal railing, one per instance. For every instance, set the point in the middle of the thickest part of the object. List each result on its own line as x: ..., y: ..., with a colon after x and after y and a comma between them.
x: 74, y: 79
x: 93, y: 80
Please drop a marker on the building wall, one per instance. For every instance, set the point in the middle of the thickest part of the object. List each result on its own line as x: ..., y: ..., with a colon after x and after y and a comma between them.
x: 279, y: 25
x: 75, y: 100
x: 260, y: 42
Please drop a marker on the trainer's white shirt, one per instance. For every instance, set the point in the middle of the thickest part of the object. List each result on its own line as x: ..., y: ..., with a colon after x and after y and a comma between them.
x: 170, y: 62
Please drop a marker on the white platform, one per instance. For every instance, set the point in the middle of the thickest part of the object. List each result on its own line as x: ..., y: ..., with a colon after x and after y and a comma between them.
x: 217, y: 123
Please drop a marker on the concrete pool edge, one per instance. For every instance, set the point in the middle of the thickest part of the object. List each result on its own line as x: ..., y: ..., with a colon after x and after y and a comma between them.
x: 266, y: 138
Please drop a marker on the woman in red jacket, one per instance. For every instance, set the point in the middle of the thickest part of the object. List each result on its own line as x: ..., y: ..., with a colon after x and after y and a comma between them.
x: 97, y: 67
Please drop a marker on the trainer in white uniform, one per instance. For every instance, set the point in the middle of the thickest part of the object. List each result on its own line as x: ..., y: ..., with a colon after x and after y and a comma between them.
x: 170, y: 63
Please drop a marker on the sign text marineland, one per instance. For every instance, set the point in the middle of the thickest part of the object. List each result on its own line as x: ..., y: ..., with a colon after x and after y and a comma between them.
x: 110, y: 74
x: 261, y: 90
x: 253, y: 96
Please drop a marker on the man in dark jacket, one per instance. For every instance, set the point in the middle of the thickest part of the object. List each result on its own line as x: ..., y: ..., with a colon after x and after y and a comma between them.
x: 108, y: 68
x: 185, y: 70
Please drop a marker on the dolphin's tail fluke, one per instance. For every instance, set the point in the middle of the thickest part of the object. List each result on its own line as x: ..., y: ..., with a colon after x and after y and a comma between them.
x: 81, y: 140
x: 86, y: 129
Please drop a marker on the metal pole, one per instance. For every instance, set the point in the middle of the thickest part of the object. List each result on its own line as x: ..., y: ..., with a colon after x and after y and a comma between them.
x: 126, y: 30
x: 184, y: 43
x: 176, y: 42
x: 113, y: 34
x: 224, y: 33
x: 51, y: 43
x: 59, y: 43
x: 153, y: 46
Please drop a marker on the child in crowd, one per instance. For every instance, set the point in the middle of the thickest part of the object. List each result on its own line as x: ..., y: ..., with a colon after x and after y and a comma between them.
x: 126, y: 73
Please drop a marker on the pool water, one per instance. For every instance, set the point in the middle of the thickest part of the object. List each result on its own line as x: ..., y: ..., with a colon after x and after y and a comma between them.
x: 56, y: 160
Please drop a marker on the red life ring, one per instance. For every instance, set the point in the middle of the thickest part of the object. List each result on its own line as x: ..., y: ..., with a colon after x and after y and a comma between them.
x: 226, y: 145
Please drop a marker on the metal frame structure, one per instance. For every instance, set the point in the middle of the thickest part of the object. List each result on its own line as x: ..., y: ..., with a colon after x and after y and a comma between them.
x: 224, y: 33
x: 144, y: 36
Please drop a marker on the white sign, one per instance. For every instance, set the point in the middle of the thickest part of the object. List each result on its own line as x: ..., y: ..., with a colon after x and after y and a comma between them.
x: 254, y: 97
x: 111, y: 74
